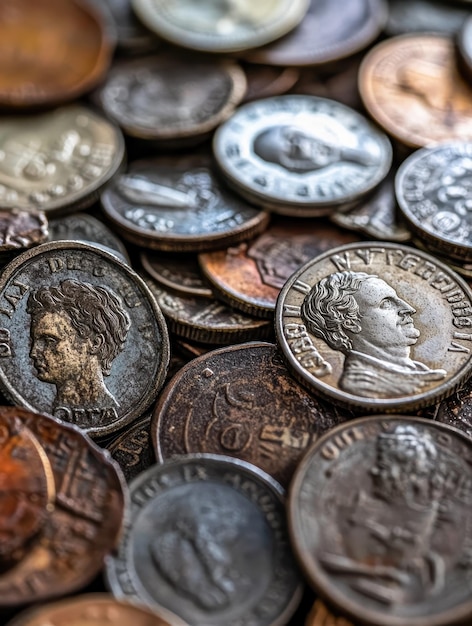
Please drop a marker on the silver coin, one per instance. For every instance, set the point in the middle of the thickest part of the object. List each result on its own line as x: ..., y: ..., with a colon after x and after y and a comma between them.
x: 409, y: 16
x: 301, y: 153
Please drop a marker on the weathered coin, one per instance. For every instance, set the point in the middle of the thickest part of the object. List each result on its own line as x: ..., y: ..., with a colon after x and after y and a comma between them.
x: 57, y: 160
x: 178, y: 272
x: 321, y: 615
x: 179, y: 205
x: 46, y: 65
x: 408, y: 16
x: 322, y: 37
x: 380, y: 518
x: 411, y: 86
x: 212, y: 26
x: 20, y: 230
x: 133, y: 450
x: 264, y: 81
x: 377, y: 326
x: 241, y: 401
x: 301, y: 155
x: 73, y: 317
x: 206, y: 538
x: 455, y: 410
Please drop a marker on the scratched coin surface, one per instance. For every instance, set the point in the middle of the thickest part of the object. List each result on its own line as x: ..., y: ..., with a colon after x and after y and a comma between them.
x: 380, y: 517
x: 301, y: 155
x: 377, y: 325
x: 76, y: 323
x: 207, y: 539
x: 241, y: 401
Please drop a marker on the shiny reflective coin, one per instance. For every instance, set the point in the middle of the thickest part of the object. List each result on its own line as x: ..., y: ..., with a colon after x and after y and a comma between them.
x: 301, y: 155
x: 57, y: 160
x: 178, y: 272
x: 249, y: 276
x: 43, y: 60
x: 76, y: 323
x: 220, y: 26
x: 178, y: 206
x: 407, y: 16
x: 207, y: 539
x: 366, y: 514
x: 377, y: 326
x: 243, y: 402
x: 322, y: 37
x: 264, y: 81
x: 166, y: 98
x: 133, y: 450
x: 411, y: 86
x: 321, y: 615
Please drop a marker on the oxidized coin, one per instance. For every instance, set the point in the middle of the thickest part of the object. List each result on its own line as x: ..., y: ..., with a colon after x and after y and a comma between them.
x: 331, y: 30
x: 83, y: 525
x: 51, y: 51
x: 132, y: 450
x: 407, y: 16
x: 301, y: 155
x: 250, y: 276
x: 166, y: 98
x: 264, y: 81
x: 241, y: 401
x: 380, y: 517
x: 57, y: 160
x: 206, y: 538
x: 76, y: 324
x: 411, y: 86
x: 220, y: 26
x: 321, y: 615
x: 179, y: 272
x: 377, y: 326
x: 434, y: 191
x: 179, y: 206
x: 20, y: 230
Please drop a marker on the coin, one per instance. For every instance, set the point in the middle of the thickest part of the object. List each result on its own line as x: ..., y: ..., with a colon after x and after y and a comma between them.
x: 74, y: 316
x: 57, y: 160
x: 132, y: 450
x: 366, y: 510
x: 267, y: 153
x: 411, y: 86
x: 377, y: 325
x: 133, y: 38
x: 178, y: 272
x: 220, y: 27
x: 264, y: 81
x: 407, y: 16
x: 321, y: 615
x: 20, y: 230
x: 207, y: 539
x: 456, y: 409
x: 464, y: 46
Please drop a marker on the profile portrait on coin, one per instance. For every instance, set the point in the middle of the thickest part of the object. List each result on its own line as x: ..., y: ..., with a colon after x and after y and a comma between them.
x: 362, y: 316
x: 77, y: 330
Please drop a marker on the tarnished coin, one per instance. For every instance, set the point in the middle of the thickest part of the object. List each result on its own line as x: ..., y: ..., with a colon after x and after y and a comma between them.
x: 321, y: 615
x: 133, y: 450
x: 220, y: 26
x: 264, y: 81
x: 179, y: 206
x: 377, y: 326
x: 207, y: 539
x: 249, y: 276
x: 241, y: 401
x: 178, y: 272
x: 20, y: 230
x: 408, y: 16
x: 57, y: 160
x: 380, y: 518
x: 455, y: 410
x: 301, y: 155
x: 76, y: 323
x: 51, y: 51
x: 411, y: 86
x: 322, y: 37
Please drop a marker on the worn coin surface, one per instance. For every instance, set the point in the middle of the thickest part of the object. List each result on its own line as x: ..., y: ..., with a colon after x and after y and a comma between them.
x: 455, y: 410
x: 241, y: 401
x: 20, y: 230
x: 377, y: 325
x: 301, y: 155
x: 57, y: 160
x: 380, y: 518
x: 206, y: 538
x: 321, y: 615
x: 76, y: 324
x: 179, y: 272
x: 132, y: 449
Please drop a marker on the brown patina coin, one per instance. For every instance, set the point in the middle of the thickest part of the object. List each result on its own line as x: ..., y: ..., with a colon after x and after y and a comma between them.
x: 249, y: 276
x: 133, y: 450
x: 77, y: 323
x: 412, y: 87
x: 243, y: 402
x: 20, y: 230
x: 178, y: 272
x: 264, y: 81
x: 321, y: 615
x: 51, y: 51
x: 380, y: 519
x: 83, y: 524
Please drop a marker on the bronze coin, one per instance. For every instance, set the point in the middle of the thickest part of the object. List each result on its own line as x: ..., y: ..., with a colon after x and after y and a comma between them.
x: 132, y: 450
x: 178, y: 272
x: 321, y: 615
x: 241, y: 401
x: 51, y: 51
x: 264, y: 81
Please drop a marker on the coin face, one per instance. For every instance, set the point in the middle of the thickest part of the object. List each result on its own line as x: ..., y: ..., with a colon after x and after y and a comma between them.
x: 57, y: 160
x: 207, y: 539
x: 301, y: 154
x: 76, y: 323
x: 366, y: 517
x: 376, y: 325
x: 411, y: 86
x: 213, y: 26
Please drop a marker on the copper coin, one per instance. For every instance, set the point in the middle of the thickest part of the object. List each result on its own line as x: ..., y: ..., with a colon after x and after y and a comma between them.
x: 264, y: 81
x: 411, y: 86
x: 20, y: 230
x: 133, y: 450
x: 51, y: 51
x: 321, y: 615
x: 243, y: 402
x: 178, y: 272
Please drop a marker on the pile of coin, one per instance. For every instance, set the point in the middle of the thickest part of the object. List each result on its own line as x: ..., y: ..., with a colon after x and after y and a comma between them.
x: 235, y: 253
